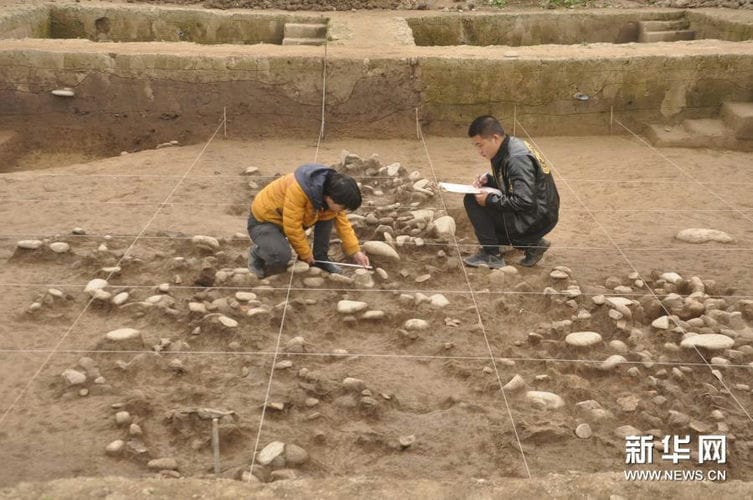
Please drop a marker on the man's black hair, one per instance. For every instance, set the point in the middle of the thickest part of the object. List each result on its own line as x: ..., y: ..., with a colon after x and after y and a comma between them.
x: 485, y: 126
x: 343, y: 190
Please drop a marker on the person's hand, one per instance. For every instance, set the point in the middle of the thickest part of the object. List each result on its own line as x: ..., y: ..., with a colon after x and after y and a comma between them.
x: 479, y: 181
x: 309, y: 260
x: 361, y: 259
x: 481, y: 199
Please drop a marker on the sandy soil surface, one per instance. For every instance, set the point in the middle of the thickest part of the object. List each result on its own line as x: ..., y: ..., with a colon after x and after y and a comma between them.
x: 368, y: 396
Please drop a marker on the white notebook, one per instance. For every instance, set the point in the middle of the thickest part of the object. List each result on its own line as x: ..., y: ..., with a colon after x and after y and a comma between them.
x: 466, y: 188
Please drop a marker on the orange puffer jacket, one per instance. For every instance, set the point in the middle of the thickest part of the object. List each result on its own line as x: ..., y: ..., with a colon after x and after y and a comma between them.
x: 296, y: 202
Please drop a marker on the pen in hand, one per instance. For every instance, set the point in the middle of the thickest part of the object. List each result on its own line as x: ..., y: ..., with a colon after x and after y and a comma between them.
x: 480, y: 181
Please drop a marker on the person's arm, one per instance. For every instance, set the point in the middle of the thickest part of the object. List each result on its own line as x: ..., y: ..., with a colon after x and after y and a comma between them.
x: 522, y: 178
x: 349, y: 240
x: 292, y: 221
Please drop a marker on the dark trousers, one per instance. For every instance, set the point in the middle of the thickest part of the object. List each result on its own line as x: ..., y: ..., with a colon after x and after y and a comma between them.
x: 272, y: 246
x: 492, y: 227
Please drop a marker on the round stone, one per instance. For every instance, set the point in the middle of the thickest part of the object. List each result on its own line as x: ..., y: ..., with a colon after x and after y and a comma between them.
x: 29, y: 244
x: 583, y: 339
x: 416, y: 324
x: 583, y: 431
x: 59, y: 247
x: 351, y: 306
x: 122, y: 334
x: 546, y: 400
x: 710, y: 341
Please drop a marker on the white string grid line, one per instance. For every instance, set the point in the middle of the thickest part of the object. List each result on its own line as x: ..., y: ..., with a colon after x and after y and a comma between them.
x: 629, y: 262
x: 91, y: 300
x: 478, y: 311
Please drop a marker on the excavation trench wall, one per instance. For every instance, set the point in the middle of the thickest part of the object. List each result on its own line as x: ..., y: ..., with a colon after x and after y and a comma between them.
x: 134, y: 95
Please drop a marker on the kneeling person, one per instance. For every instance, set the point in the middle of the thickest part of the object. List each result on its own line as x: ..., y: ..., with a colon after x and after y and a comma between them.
x: 314, y: 195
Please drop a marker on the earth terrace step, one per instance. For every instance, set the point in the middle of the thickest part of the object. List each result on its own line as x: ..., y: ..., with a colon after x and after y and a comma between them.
x: 739, y: 117
x: 666, y: 36
x: 673, y: 25
x: 301, y: 30
x: 303, y: 41
x: 680, y: 136
x: 711, y: 129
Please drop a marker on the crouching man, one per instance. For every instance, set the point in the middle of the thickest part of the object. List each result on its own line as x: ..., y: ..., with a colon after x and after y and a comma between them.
x: 314, y: 195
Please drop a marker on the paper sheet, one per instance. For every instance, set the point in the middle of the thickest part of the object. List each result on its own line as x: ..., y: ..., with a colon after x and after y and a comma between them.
x: 466, y: 188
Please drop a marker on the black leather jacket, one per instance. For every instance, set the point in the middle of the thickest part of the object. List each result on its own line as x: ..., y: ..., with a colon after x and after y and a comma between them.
x: 529, y: 195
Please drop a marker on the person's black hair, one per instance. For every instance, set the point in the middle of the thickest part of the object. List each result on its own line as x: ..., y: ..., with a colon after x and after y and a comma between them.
x: 485, y: 126
x: 343, y: 190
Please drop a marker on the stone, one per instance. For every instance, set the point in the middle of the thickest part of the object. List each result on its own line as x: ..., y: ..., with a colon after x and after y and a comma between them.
x: 60, y: 247
x: 406, y: 441
x: 295, y: 455
x: 29, y: 244
x: 123, y: 335
x: 245, y: 296
x: 673, y: 278
x: 546, y: 400
x: 583, y: 431
x: 205, y: 242
x: 558, y: 275
x: 227, y: 322
x: 380, y: 249
x: 270, y: 452
x: 122, y: 418
x: 354, y: 384
x: 710, y: 341
x: 444, y: 227
x: 439, y: 301
x: 416, y: 324
x: 120, y: 298
x: 515, y: 384
x: 74, y: 377
x: 115, y: 448
x: 583, y: 339
x: 612, y: 362
x: 662, y: 323
x: 94, y: 285
x: 619, y: 301
x: 351, y: 306
x: 163, y: 464
x: 702, y: 235
x: 313, y: 282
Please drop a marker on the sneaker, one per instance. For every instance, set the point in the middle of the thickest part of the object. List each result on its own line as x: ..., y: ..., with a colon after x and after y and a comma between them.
x: 485, y: 259
x: 328, y: 267
x: 535, y: 253
x: 255, y: 263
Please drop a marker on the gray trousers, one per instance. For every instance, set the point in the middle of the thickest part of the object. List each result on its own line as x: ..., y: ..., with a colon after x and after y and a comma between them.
x: 272, y: 247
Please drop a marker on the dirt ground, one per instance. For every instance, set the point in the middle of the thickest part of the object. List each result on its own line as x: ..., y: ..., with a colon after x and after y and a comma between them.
x: 622, y: 204
x: 425, y: 405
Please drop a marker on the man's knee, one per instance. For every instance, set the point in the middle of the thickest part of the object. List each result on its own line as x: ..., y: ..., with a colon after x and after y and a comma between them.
x: 469, y: 201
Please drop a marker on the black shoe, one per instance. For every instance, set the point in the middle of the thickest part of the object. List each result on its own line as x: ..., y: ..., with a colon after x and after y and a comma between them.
x: 535, y: 253
x: 255, y: 263
x: 483, y: 258
x: 327, y: 266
